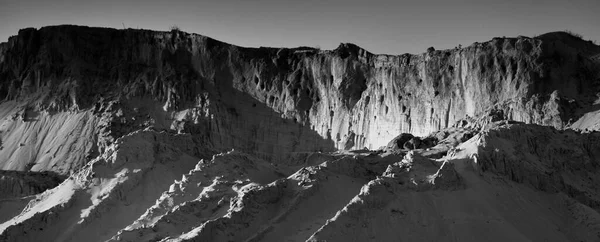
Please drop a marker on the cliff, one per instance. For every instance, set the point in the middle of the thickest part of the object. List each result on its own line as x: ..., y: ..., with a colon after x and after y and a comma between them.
x: 268, y: 101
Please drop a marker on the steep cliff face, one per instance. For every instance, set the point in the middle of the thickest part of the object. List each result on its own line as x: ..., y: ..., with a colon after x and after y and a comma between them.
x: 268, y: 101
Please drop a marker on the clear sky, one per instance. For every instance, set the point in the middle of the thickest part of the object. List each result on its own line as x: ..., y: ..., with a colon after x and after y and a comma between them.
x: 380, y: 26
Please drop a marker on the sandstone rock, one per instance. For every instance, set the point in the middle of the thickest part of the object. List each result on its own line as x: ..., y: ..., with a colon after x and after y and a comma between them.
x: 413, y: 143
x: 398, y: 141
x: 428, y: 142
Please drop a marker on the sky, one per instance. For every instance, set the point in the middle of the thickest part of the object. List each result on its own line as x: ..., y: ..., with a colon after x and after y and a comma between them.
x: 380, y: 26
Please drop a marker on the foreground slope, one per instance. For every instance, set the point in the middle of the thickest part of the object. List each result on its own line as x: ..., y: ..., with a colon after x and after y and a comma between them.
x: 502, y: 189
x: 501, y: 184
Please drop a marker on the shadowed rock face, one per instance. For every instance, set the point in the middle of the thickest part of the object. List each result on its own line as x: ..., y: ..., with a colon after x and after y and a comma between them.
x: 15, y: 184
x: 271, y: 101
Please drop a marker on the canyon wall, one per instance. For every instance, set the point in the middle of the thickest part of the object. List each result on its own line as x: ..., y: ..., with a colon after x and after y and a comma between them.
x: 272, y: 101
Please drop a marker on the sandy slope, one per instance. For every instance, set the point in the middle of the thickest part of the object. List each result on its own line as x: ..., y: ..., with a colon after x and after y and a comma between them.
x: 42, y: 141
x: 121, y: 183
x: 155, y: 186
x: 488, y: 208
x: 199, y: 196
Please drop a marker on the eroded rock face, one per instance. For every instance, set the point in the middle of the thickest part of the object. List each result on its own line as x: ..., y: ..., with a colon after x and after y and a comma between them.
x: 269, y: 101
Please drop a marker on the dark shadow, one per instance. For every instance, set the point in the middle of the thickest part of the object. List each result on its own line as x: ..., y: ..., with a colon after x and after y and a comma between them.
x: 592, y: 108
x: 30, y: 182
x: 236, y: 118
x: 243, y: 123
x: 29, y: 114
